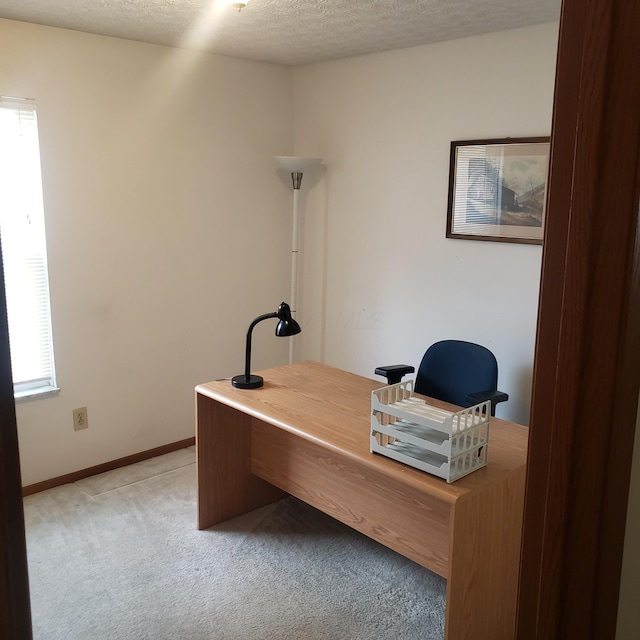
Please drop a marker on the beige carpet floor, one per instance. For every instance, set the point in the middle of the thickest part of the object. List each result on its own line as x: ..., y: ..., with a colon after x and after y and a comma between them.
x: 118, y: 557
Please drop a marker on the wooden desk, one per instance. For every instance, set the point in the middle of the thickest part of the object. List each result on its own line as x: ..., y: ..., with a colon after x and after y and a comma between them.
x: 306, y: 433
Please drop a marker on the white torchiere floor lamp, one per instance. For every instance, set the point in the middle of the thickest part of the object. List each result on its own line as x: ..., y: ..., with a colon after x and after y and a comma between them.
x: 296, y: 166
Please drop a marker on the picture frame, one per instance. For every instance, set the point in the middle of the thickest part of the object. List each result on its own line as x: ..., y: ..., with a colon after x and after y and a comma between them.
x: 498, y: 189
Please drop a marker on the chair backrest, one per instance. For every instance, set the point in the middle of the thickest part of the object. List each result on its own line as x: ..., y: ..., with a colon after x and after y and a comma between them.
x: 451, y: 369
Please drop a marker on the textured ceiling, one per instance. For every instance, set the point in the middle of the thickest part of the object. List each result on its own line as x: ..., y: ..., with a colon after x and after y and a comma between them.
x: 290, y: 32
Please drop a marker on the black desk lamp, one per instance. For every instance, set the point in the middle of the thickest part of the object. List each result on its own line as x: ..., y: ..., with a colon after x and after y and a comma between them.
x: 286, y: 327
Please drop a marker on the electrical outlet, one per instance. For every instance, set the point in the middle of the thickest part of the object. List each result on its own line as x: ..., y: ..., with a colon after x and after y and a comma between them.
x: 80, y: 418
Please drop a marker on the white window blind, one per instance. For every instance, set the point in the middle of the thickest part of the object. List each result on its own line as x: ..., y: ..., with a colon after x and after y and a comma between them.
x: 24, y: 249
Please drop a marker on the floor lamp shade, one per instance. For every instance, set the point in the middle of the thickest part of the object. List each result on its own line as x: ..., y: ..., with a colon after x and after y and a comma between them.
x: 286, y: 326
x: 297, y: 165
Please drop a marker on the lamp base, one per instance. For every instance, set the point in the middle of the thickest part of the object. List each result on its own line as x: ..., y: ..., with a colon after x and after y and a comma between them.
x: 241, y: 381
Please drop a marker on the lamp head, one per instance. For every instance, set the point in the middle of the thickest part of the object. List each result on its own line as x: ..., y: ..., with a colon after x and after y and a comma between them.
x: 287, y: 325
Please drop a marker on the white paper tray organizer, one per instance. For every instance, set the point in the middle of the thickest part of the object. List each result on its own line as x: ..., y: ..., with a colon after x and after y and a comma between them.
x: 447, y: 444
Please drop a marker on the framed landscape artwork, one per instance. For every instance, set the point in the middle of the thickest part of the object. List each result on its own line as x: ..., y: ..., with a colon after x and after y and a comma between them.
x: 497, y: 190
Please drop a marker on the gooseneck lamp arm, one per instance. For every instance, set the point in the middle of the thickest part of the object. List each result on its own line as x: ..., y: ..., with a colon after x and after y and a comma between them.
x: 286, y: 327
x: 247, y: 362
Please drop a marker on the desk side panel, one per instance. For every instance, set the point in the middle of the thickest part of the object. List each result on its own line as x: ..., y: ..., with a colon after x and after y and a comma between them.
x: 226, y: 486
x: 485, y: 560
x: 411, y: 522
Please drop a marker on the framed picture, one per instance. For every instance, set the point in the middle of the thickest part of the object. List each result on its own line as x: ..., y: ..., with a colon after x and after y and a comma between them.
x: 497, y: 190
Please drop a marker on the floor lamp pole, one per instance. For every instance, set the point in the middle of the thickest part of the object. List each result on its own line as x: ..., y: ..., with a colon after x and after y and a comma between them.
x: 297, y: 179
x: 296, y: 167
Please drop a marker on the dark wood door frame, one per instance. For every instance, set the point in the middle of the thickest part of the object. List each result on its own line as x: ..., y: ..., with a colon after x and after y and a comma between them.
x: 587, y: 364
x: 586, y: 373
x: 15, y: 606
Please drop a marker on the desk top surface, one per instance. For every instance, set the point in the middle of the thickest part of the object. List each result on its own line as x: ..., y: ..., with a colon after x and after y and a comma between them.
x: 332, y: 408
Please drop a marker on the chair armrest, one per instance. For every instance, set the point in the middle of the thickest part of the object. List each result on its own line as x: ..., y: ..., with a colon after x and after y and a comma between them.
x: 394, y: 372
x: 483, y: 396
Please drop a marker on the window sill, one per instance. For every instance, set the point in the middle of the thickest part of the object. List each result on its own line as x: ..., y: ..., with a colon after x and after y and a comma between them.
x: 35, y: 394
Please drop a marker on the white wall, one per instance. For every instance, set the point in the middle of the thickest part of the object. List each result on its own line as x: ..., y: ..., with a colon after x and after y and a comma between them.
x: 381, y: 281
x: 168, y: 232
x: 165, y: 219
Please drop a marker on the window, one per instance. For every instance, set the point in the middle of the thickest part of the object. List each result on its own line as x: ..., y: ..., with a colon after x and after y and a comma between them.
x: 24, y: 250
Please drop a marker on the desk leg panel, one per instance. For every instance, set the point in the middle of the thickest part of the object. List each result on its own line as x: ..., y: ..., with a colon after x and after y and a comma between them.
x: 485, y: 560
x: 226, y: 486
x: 396, y: 515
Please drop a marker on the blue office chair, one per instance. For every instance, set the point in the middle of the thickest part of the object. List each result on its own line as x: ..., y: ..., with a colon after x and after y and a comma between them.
x: 462, y: 373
